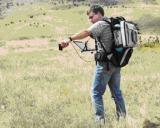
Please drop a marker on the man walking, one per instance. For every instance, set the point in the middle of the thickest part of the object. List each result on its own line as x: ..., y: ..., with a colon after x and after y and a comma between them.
x: 105, y: 73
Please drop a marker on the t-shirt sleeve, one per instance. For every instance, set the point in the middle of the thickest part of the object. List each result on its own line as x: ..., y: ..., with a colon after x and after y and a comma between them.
x: 97, y: 28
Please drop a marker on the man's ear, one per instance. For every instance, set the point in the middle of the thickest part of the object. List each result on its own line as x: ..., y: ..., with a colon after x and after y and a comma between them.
x: 87, y: 12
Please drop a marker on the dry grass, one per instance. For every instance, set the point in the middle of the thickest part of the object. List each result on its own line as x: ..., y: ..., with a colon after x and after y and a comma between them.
x: 41, y: 87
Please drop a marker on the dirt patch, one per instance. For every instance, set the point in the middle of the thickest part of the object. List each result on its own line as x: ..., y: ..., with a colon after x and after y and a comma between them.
x: 25, y: 46
x: 27, y: 50
x: 3, y: 51
x: 24, y: 43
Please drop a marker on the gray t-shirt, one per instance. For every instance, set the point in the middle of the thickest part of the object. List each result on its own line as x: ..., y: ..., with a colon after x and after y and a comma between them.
x: 102, y: 29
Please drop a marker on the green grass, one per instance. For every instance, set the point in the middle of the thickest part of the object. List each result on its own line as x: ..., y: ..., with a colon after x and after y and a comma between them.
x: 45, y: 88
x: 52, y: 23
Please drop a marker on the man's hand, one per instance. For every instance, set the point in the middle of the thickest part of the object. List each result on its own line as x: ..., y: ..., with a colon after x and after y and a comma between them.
x: 65, y: 43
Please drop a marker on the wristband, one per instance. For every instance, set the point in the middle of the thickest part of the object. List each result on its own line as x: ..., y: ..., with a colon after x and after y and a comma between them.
x: 70, y: 39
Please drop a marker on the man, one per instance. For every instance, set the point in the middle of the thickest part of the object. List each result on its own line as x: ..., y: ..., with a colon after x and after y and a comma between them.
x: 105, y: 72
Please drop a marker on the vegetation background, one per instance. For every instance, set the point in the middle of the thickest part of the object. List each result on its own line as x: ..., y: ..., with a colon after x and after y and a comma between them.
x: 41, y: 87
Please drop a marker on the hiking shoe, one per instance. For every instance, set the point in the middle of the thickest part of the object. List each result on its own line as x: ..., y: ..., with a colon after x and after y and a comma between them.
x: 100, y: 121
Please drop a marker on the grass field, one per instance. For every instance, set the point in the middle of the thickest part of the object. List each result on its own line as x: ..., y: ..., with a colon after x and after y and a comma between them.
x: 41, y: 87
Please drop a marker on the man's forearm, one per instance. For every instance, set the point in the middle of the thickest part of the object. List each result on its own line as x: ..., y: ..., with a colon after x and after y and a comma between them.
x: 81, y: 35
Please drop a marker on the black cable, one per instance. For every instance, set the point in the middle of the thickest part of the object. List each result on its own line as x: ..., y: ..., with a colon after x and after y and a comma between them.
x: 79, y: 55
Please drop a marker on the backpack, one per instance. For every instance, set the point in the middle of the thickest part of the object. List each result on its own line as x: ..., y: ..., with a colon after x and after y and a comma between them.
x: 125, y: 38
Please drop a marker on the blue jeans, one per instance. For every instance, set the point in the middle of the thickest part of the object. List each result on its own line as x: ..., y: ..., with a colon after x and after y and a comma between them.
x: 101, y: 78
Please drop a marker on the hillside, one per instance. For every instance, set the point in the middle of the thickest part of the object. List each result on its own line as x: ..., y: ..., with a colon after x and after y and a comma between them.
x: 42, y: 21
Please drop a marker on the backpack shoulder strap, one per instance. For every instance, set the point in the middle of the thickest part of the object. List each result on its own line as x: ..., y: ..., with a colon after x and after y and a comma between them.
x: 109, y: 21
